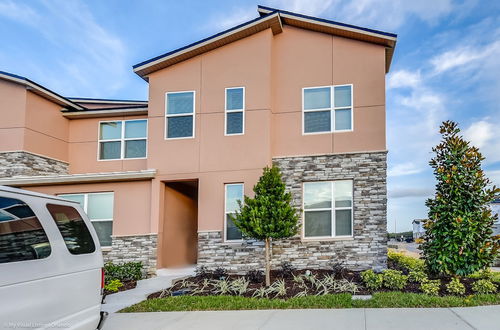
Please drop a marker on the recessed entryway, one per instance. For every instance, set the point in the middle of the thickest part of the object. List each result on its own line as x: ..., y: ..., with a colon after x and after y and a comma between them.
x: 179, y: 246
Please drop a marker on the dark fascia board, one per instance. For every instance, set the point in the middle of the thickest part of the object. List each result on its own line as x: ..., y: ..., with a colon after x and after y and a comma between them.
x: 142, y: 66
x: 263, y: 10
x: 105, y: 101
x: 136, y: 110
x: 40, y: 90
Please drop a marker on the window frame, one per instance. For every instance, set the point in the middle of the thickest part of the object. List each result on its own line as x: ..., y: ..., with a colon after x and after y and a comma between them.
x: 122, y: 140
x: 226, y: 213
x: 332, y: 110
x: 242, y: 110
x: 86, y: 204
x: 332, y: 210
x: 193, y: 114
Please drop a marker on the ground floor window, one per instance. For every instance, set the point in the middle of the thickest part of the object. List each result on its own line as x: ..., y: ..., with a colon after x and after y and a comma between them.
x: 99, y: 208
x: 233, y: 193
x: 328, y: 209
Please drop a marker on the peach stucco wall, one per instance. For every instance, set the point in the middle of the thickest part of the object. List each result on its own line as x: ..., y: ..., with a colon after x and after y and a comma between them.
x: 131, y: 209
x: 12, y: 105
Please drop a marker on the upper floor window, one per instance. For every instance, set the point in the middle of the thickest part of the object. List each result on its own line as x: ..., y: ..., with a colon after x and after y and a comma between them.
x: 328, y: 207
x: 99, y: 209
x: 179, y: 115
x: 123, y: 139
x: 327, y: 109
x: 235, y: 111
x: 233, y: 194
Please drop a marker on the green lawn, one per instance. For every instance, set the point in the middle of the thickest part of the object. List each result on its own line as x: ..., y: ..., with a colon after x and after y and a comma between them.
x: 379, y: 300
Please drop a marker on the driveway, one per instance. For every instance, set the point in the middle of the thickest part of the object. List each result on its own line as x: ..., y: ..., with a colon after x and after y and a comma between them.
x: 484, y: 317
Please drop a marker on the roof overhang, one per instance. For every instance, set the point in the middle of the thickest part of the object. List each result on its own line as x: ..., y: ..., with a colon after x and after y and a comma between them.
x: 39, y: 90
x: 274, y: 19
x: 386, y: 39
x: 107, y: 112
x: 241, y: 31
x: 50, y: 180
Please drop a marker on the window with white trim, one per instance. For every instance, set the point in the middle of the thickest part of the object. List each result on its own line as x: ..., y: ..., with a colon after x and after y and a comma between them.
x: 123, y: 139
x: 327, y: 109
x: 179, y: 115
x: 99, y: 209
x: 233, y: 194
x: 235, y: 111
x: 328, y: 209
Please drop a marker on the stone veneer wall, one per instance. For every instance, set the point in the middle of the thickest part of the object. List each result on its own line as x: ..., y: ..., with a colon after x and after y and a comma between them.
x: 22, y: 163
x: 133, y: 248
x: 366, y: 249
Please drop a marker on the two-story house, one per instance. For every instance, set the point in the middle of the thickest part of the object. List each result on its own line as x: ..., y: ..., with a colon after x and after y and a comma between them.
x: 160, y: 178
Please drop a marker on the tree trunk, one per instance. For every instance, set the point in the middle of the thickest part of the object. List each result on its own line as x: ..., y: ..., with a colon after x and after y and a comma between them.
x: 268, y: 262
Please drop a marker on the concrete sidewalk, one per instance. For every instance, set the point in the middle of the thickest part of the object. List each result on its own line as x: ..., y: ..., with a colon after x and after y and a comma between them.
x: 116, y: 301
x: 484, y: 317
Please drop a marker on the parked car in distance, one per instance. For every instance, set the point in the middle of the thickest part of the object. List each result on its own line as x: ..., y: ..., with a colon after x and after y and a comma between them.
x: 51, y: 265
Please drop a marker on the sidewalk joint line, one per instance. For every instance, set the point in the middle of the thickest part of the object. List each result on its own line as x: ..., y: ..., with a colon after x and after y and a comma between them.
x: 462, y: 319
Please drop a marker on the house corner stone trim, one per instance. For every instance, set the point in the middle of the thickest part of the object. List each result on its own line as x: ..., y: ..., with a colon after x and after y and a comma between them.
x: 22, y: 163
x: 135, y: 248
x: 366, y: 249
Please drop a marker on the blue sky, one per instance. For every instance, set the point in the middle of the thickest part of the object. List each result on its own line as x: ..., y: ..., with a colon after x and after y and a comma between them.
x: 446, y: 65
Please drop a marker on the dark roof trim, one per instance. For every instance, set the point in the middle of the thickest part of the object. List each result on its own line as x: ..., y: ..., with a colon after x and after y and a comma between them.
x: 263, y: 10
x: 111, y: 109
x: 137, y: 110
x: 40, y: 90
x: 141, y: 68
x: 110, y: 101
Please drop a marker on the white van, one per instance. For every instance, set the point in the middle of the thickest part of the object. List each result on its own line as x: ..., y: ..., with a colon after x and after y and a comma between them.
x: 51, y: 266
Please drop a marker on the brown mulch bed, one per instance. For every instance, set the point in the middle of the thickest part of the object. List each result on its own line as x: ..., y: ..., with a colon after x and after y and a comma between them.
x: 293, y: 288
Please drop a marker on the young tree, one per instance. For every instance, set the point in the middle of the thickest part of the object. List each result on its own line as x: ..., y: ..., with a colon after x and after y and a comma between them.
x: 458, y: 238
x: 269, y: 215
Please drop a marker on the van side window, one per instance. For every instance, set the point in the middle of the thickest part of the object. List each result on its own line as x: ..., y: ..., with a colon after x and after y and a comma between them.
x: 21, y: 234
x: 73, y: 229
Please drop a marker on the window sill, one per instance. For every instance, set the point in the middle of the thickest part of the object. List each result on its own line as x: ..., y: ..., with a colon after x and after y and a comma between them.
x: 105, y: 248
x: 326, y: 239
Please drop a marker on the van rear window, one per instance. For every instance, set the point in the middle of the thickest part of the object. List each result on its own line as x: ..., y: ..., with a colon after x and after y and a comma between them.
x: 21, y: 234
x: 73, y: 229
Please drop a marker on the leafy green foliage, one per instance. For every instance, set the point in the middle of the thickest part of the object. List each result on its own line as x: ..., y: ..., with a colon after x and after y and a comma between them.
x: 484, y: 287
x: 394, y: 279
x: 124, y: 272
x: 372, y: 280
x: 455, y: 287
x: 417, y: 276
x: 458, y: 238
x: 430, y: 287
x: 113, y: 286
x: 270, y: 214
x: 404, y: 262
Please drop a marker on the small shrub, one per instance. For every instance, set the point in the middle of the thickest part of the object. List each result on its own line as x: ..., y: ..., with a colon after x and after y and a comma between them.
x: 113, y: 285
x: 404, y: 262
x: 260, y: 292
x: 372, y: 280
x: 286, y: 270
x: 124, y: 272
x: 278, y: 288
x: 219, y: 273
x: 239, y: 286
x: 430, y: 287
x: 417, y: 276
x: 344, y: 285
x: 337, y: 268
x: 221, y: 287
x: 455, y: 287
x: 255, y: 276
x: 394, y: 279
x: 484, y: 287
x: 203, y: 272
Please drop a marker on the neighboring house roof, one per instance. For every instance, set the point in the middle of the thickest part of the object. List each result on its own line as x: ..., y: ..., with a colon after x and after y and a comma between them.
x: 105, y: 101
x: 270, y: 18
x: 417, y: 221
x: 40, y: 90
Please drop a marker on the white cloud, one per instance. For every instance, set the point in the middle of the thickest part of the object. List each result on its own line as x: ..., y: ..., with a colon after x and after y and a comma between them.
x: 404, y: 169
x: 479, y: 133
x: 404, y: 192
x: 404, y: 78
x: 306, y: 7
x: 92, y: 60
x: 223, y: 21
x: 462, y: 56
